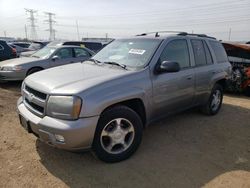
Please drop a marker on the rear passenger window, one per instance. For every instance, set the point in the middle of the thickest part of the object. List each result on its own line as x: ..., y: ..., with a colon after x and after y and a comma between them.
x: 208, y: 54
x: 80, y: 52
x: 176, y: 50
x: 199, y: 52
x: 219, y: 51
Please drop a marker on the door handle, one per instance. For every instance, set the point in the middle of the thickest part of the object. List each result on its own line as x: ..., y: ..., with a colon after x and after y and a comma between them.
x: 189, y: 77
x: 71, y: 61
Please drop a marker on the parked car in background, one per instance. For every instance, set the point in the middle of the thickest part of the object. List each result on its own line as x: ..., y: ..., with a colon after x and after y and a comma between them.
x: 6, y: 51
x: 33, y: 47
x: 18, y: 48
x: 105, y: 102
x: 47, y: 57
x: 22, y: 44
x: 239, y: 57
x: 94, y: 46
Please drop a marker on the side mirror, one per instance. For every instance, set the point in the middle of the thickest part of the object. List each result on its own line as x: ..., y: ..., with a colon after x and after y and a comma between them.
x: 168, y: 66
x: 54, y: 58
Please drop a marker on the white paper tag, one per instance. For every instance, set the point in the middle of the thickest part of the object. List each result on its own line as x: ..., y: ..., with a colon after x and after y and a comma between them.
x: 137, y: 51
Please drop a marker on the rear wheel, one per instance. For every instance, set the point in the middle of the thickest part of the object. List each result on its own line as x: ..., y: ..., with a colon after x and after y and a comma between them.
x: 213, y: 105
x: 118, y: 134
x: 247, y: 92
x: 33, y: 70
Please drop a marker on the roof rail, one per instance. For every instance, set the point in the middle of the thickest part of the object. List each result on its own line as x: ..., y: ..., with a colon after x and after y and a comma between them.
x: 157, y: 33
x: 197, y: 35
x: 181, y: 33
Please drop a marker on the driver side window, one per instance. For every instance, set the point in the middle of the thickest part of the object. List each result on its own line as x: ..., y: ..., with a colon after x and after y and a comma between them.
x: 65, y: 53
x: 177, y: 51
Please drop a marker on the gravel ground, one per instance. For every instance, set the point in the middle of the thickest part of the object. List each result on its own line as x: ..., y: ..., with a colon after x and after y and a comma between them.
x: 185, y: 150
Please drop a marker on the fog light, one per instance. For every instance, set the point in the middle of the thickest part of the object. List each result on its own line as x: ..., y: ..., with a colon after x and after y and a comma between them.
x: 59, y: 138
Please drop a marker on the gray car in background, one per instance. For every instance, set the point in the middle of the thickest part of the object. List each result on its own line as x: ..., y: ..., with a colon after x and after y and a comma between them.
x: 105, y: 102
x: 47, y: 57
x: 33, y: 47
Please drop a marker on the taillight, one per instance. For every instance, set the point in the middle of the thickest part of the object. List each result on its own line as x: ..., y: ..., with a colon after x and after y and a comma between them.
x: 13, y: 51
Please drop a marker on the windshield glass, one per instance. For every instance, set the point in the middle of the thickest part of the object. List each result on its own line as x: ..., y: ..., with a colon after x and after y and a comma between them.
x: 130, y: 52
x: 44, y: 52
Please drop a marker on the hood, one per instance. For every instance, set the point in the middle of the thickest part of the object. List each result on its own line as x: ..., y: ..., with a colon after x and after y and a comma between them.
x: 18, y: 61
x: 28, y: 53
x: 72, y: 78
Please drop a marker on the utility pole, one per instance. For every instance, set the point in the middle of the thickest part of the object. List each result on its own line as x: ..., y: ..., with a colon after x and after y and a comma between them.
x: 51, y: 21
x: 31, y: 18
x: 5, y: 34
x: 229, y: 35
x: 77, y: 29
x: 106, y: 36
x: 25, y: 30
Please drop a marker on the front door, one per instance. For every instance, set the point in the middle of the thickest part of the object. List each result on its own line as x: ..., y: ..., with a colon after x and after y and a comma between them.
x: 65, y: 56
x: 174, y: 91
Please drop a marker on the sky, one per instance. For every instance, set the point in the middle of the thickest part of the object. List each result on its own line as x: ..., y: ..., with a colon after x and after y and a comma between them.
x: 124, y: 18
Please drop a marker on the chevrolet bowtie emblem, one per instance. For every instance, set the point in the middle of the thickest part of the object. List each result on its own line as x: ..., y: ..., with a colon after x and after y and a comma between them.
x: 30, y: 97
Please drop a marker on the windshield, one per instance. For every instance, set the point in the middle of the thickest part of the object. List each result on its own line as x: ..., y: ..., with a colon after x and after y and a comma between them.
x: 44, y: 52
x: 129, y: 52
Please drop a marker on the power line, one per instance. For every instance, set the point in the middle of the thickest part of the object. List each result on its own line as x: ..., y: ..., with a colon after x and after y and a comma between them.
x: 51, y: 22
x: 32, y: 19
x: 225, y: 6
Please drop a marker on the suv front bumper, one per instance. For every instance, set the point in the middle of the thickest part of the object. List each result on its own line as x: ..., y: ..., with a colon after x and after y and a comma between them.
x: 78, y: 134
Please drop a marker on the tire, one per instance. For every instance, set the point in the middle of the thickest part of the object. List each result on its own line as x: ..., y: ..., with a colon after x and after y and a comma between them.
x: 33, y: 70
x: 247, y: 92
x: 118, y: 134
x: 213, y: 105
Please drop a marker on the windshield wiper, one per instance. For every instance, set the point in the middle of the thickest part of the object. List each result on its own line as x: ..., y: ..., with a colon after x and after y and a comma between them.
x: 35, y: 56
x: 117, y: 64
x: 95, y: 61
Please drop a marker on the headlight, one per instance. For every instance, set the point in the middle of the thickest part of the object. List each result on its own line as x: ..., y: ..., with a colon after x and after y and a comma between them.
x: 11, y: 68
x: 64, y: 107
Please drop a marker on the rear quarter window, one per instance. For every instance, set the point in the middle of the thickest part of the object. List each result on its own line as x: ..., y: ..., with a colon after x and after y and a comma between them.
x: 219, y: 51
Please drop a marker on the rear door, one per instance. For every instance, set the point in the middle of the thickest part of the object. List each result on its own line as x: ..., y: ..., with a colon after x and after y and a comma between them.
x: 174, y: 91
x: 80, y: 54
x: 204, y: 69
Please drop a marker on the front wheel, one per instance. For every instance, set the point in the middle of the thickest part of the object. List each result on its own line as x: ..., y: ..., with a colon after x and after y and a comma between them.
x: 118, y: 134
x: 213, y: 105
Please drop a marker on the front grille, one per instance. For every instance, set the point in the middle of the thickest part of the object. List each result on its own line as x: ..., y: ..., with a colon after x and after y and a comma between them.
x: 34, y: 100
x: 2, y: 77
x: 33, y: 105
x: 37, y: 93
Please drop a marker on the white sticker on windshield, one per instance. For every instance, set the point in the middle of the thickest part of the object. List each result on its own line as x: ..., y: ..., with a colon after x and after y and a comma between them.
x: 137, y: 51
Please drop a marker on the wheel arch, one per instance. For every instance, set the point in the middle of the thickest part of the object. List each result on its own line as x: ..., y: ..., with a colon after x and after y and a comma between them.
x: 222, y: 82
x: 36, y: 67
x: 135, y: 104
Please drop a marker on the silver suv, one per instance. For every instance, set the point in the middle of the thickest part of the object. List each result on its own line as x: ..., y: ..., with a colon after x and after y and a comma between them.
x: 104, y: 103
